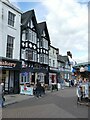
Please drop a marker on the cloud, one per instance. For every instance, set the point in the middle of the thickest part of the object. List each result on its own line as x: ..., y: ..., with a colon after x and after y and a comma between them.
x: 67, y: 22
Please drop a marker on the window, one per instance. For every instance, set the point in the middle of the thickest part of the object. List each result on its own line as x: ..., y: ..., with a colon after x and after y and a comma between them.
x: 34, y: 37
x: 41, y: 43
x: 34, y: 56
x: 29, y: 54
x: 50, y: 62
x: 30, y: 35
x: 11, y: 19
x: 38, y: 58
x: 24, y: 77
x: 45, y: 43
x: 65, y: 76
x: 53, y: 51
x: 9, y: 52
x: 53, y: 63
x: 26, y: 36
x: 41, y: 58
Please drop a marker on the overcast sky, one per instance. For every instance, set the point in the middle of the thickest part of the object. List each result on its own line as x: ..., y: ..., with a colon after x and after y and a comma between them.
x: 67, y: 22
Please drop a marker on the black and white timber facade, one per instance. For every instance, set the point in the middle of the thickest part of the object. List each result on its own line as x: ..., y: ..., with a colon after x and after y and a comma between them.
x: 34, y: 50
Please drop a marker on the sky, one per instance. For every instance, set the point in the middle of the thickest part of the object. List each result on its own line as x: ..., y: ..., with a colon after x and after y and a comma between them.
x: 67, y: 22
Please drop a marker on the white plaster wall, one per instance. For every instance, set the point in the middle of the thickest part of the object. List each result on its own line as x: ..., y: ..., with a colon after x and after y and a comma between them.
x: 53, y: 57
x: 8, y: 30
x: 0, y: 28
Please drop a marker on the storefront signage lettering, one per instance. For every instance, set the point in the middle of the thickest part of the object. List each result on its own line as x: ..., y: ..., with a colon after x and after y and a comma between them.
x: 5, y: 63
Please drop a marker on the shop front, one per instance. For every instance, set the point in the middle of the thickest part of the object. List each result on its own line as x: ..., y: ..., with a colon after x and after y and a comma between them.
x: 9, y: 75
x: 54, y: 78
x: 30, y: 76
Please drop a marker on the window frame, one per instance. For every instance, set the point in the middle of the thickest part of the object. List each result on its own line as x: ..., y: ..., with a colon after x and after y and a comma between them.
x: 10, y: 46
x: 11, y: 19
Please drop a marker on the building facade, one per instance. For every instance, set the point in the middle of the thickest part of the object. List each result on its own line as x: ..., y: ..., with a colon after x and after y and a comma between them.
x: 34, y: 50
x: 10, y: 22
x: 53, y: 66
x: 65, y: 70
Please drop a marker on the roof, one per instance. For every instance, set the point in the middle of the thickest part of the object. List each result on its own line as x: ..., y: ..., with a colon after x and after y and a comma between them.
x: 43, y: 27
x: 8, y: 3
x: 60, y: 58
x: 26, y: 17
x: 53, y: 47
x: 65, y: 58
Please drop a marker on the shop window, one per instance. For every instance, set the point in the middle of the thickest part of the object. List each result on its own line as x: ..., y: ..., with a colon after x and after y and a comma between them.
x: 24, y: 78
x: 65, y: 76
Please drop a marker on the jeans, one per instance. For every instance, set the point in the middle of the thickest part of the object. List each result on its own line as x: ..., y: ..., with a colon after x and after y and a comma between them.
x: 1, y: 103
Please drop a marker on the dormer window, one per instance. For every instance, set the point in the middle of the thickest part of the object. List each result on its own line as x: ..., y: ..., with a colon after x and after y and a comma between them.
x: 32, y: 24
x: 44, y: 33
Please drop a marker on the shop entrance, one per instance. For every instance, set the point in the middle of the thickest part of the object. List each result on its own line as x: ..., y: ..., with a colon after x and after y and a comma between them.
x: 4, y: 79
x: 8, y: 80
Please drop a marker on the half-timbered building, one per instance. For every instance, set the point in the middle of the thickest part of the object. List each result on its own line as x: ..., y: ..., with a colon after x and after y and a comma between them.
x: 34, y: 52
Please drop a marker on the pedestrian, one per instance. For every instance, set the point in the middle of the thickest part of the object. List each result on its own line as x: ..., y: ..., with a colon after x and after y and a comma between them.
x: 79, y: 93
x: 34, y: 89
x: 2, y: 99
x: 62, y: 83
x: 42, y: 89
x: 38, y: 90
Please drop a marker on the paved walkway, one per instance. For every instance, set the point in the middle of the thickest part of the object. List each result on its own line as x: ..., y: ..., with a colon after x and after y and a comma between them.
x: 57, y: 104
x: 14, y: 98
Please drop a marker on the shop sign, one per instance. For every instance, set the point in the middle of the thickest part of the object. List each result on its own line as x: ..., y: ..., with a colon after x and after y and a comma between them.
x: 24, y: 74
x: 9, y: 64
x: 52, y: 68
x: 26, y: 90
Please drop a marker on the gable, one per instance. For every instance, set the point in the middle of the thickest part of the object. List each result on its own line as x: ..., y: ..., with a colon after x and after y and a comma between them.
x: 44, y: 31
x: 30, y: 24
x: 28, y: 20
